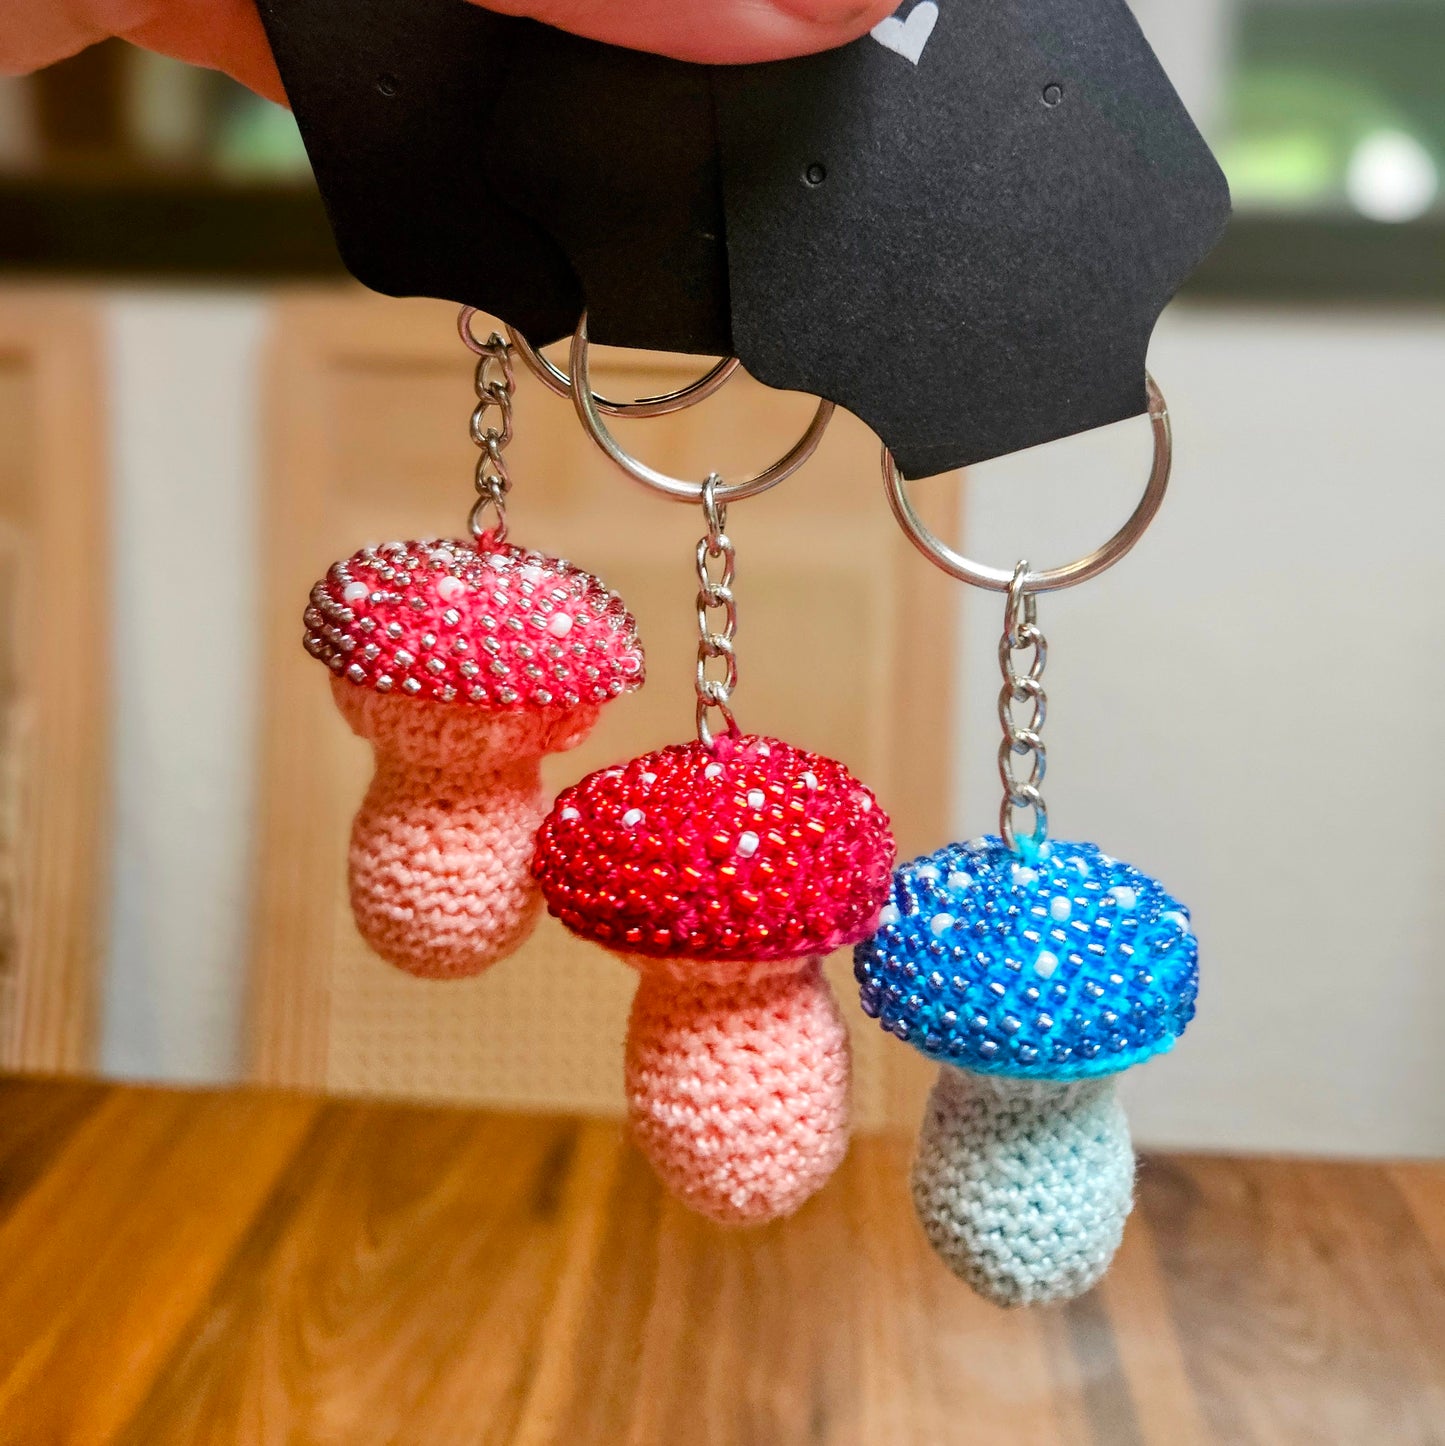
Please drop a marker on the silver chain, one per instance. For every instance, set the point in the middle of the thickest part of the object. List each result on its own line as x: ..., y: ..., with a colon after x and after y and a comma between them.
x: 1021, y: 634
x: 495, y: 382
x: 715, y: 637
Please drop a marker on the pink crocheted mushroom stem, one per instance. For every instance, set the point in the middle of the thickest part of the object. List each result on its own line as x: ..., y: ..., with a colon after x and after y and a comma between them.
x: 422, y: 733
x: 441, y: 848
x: 737, y: 1081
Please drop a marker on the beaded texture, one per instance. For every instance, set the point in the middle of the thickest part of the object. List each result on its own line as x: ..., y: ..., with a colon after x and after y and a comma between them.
x: 1061, y: 964
x: 749, y: 850
x: 1023, y: 1187
x: 499, y: 628
x: 722, y: 874
x: 462, y: 669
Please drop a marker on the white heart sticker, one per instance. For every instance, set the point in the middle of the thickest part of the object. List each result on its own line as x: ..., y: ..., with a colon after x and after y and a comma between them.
x: 908, y: 37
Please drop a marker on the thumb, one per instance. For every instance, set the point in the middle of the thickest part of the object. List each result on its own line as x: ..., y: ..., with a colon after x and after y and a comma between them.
x: 227, y: 34
x: 718, y: 32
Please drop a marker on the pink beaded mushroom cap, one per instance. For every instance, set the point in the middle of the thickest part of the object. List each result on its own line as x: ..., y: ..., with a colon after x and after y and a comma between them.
x: 724, y: 875
x: 463, y: 668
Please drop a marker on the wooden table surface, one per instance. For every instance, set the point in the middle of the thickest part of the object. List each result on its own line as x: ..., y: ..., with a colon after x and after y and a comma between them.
x: 246, y: 1267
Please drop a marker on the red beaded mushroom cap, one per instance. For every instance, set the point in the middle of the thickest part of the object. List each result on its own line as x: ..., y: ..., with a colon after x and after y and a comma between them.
x: 503, y: 628
x: 749, y: 850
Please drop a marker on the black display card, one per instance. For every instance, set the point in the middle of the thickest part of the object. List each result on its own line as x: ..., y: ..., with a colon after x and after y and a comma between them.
x: 962, y: 227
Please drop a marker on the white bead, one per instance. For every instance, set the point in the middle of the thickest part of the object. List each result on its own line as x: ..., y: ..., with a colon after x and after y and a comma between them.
x: 810, y: 781
x: 927, y: 871
x: 865, y: 803
x: 649, y: 779
x: 747, y: 844
x: 354, y: 592
x: 569, y: 813
x: 632, y: 818
x: 941, y: 923
x: 1124, y: 896
x: 958, y: 881
x: 1024, y: 876
x: 560, y: 624
x: 1045, y: 965
x: 449, y: 589
x: 889, y: 915
x: 713, y: 770
x: 756, y: 798
x: 1060, y: 909
x: 1175, y: 917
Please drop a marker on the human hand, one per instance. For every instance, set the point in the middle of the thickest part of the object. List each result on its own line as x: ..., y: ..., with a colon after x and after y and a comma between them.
x: 227, y: 34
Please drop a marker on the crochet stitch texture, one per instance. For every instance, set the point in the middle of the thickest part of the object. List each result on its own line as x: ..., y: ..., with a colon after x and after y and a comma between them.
x: 441, y: 848
x: 738, y: 1093
x: 723, y: 874
x: 1023, y: 1187
x: 1034, y: 978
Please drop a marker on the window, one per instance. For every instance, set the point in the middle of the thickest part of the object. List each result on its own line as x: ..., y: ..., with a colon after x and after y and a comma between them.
x: 114, y: 112
x: 1337, y: 106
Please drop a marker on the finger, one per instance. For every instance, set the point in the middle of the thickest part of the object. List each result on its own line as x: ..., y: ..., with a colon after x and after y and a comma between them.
x: 222, y: 34
x: 719, y: 32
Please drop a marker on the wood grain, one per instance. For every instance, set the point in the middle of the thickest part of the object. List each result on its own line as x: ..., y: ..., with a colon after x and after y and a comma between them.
x: 36, y: 1119
x: 134, y: 1260
x: 1313, y: 1277
x: 246, y: 1269
x: 53, y: 676
x: 1417, y: 1183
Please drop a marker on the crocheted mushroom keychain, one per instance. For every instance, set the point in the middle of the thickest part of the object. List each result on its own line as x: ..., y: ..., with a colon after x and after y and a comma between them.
x: 723, y: 871
x: 463, y: 662
x: 1035, y: 972
x: 1034, y: 978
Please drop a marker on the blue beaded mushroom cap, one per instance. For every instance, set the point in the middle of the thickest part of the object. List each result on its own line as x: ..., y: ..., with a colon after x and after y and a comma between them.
x: 1063, y: 965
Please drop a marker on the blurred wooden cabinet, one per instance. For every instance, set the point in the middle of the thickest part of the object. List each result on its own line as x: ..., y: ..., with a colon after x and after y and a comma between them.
x: 844, y: 646
x: 54, y: 645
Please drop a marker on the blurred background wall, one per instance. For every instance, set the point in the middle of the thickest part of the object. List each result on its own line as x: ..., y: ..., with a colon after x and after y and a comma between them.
x: 1227, y: 706
x: 185, y: 442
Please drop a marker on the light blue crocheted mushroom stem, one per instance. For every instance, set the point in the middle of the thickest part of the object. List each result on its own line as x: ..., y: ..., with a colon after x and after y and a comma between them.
x: 1023, y: 1186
